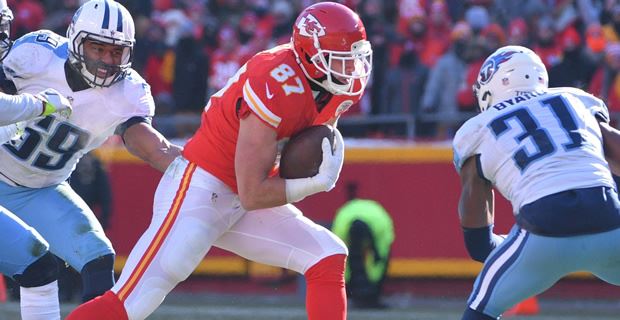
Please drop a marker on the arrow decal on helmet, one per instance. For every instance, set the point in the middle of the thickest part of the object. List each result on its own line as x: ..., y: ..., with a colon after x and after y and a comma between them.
x: 492, y: 64
x: 309, y: 26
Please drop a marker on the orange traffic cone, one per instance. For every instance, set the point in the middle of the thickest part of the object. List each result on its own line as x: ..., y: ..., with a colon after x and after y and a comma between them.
x: 526, y: 307
x: 2, y: 289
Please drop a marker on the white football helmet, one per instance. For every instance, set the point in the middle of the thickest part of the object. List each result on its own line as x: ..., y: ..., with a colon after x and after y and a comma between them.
x: 6, y: 17
x: 103, y: 21
x: 506, y: 73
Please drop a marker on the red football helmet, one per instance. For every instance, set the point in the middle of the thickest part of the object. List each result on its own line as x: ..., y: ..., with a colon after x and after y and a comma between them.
x: 329, y: 41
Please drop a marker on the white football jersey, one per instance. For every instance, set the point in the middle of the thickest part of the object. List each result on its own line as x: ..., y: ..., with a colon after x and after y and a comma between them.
x: 538, y: 144
x: 48, y: 151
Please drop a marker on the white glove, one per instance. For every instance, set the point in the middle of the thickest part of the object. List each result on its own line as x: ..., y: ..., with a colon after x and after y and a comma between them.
x: 325, y: 179
x: 8, y: 132
x: 54, y: 102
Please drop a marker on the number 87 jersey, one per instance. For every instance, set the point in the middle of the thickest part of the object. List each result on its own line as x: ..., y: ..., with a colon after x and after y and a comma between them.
x: 537, y: 144
x: 272, y: 86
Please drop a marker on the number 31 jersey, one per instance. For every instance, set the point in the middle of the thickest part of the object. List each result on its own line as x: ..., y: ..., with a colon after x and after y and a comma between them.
x: 50, y: 147
x: 538, y: 144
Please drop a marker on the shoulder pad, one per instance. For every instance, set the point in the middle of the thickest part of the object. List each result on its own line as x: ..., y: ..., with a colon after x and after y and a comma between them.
x: 274, y: 84
x: 32, y: 53
x: 596, y: 106
x: 467, y: 140
x: 138, y: 92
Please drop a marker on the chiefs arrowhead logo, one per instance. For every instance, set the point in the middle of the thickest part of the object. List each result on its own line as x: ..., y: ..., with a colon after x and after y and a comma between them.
x: 309, y: 25
x: 343, y: 107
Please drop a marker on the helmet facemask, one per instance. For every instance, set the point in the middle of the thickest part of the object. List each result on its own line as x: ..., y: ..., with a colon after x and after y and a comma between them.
x: 6, y: 17
x: 96, y: 72
x: 346, y: 72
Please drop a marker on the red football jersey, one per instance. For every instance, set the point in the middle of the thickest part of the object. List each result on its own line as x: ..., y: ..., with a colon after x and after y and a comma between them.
x: 273, y: 87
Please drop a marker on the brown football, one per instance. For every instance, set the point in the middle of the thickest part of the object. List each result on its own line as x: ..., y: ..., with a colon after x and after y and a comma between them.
x: 302, y: 154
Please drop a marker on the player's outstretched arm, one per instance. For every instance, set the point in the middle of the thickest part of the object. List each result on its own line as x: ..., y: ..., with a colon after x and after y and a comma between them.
x: 476, y: 212
x: 611, y: 145
x: 146, y: 143
x: 25, y: 106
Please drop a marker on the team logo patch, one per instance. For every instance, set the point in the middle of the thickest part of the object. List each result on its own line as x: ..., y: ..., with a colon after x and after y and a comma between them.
x: 309, y: 25
x: 344, y: 106
x: 492, y: 64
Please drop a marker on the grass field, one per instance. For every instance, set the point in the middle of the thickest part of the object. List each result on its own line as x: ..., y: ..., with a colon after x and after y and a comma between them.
x: 183, y: 306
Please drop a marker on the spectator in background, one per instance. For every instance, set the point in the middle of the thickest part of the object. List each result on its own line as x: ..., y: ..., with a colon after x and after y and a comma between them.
x: 58, y: 20
x: 29, y: 16
x: 158, y: 67
x: 403, y: 89
x: 611, y: 29
x: 190, y: 76
x: 426, y: 31
x: 489, y: 39
x: 283, y: 19
x: 439, y: 25
x: 367, y: 229
x: 445, y: 79
x: 225, y: 60
x: 518, y: 33
x: 595, y: 42
x: 382, y: 35
x: 575, y: 69
x: 545, y: 45
x: 478, y: 18
x: 605, y: 83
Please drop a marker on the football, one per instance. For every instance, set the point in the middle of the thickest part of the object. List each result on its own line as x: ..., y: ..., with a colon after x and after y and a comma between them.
x: 302, y: 154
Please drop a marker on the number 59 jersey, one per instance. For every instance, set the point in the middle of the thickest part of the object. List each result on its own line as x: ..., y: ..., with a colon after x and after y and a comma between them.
x: 50, y: 147
x: 537, y: 144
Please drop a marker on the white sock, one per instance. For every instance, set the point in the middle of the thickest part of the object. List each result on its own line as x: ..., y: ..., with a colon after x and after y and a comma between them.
x: 40, y: 303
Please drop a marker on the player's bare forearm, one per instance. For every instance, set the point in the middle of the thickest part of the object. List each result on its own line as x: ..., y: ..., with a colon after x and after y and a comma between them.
x: 255, y: 155
x: 611, y: 144
x: 146, y: 143
x: 476, y: 204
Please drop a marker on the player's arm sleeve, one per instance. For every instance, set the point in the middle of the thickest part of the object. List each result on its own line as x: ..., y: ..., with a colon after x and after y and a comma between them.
x: 466, y: 142
x: 255, y: 98
x: 611, y: 146
x: 19, y: 108
x: 596, y: 106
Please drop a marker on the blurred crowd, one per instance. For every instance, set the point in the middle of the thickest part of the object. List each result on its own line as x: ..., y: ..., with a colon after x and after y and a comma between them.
x: 427, y: 53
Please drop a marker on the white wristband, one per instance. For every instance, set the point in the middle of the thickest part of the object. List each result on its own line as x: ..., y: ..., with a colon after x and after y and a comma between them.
x: 298, y: 189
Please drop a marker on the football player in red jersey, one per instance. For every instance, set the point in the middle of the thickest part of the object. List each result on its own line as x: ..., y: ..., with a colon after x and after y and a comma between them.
x: 221, y: 191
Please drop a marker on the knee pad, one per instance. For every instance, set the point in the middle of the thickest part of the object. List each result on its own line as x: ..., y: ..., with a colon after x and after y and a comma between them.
x: 41, y: 272
x: 97, y: 277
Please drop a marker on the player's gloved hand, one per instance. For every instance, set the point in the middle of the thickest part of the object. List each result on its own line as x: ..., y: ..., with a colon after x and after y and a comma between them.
x: 329, y: 171
x: 325, y: 179
x: 54, y: 102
